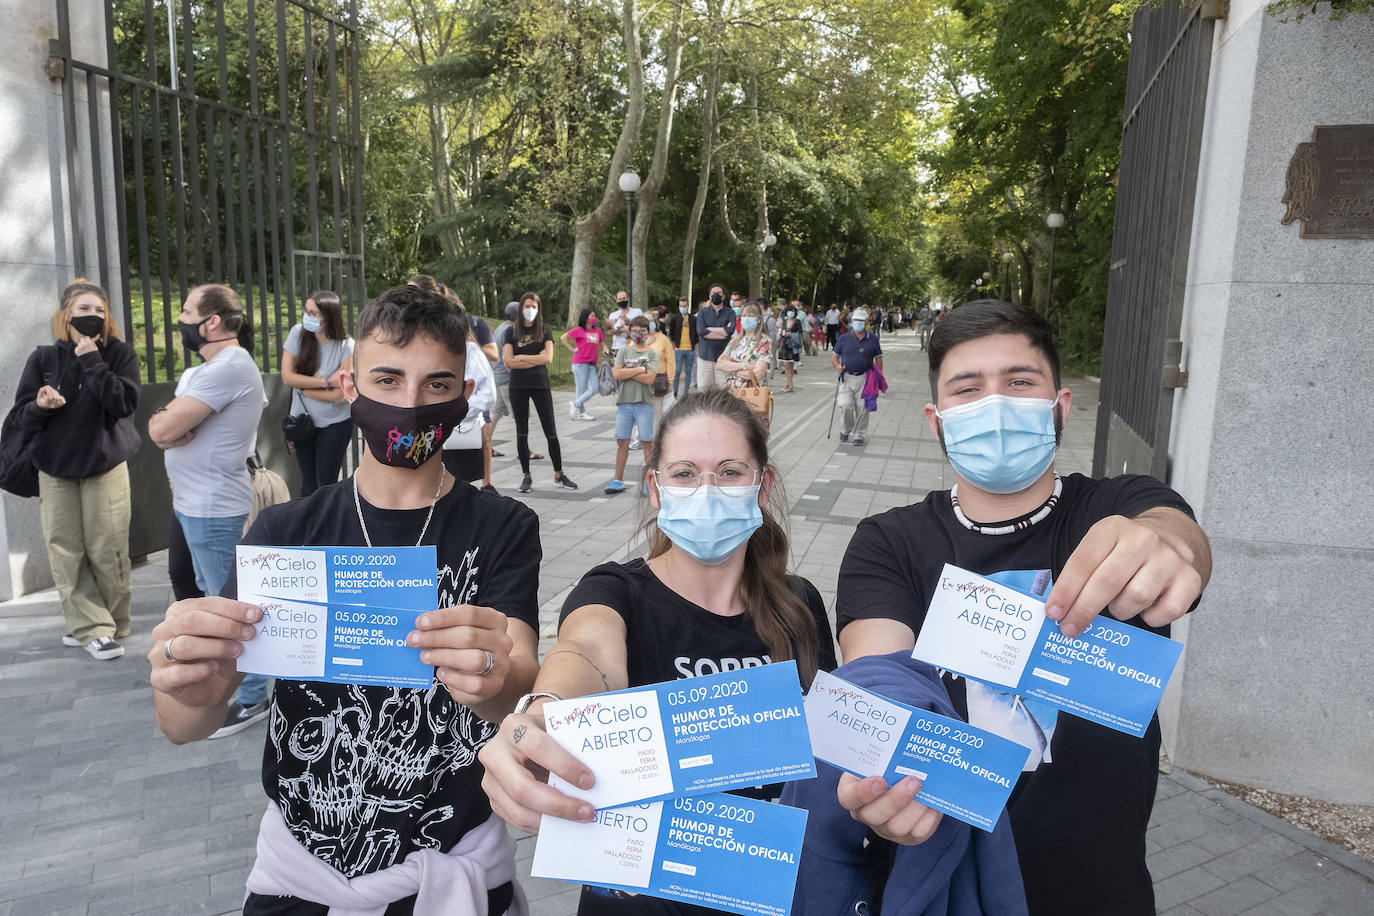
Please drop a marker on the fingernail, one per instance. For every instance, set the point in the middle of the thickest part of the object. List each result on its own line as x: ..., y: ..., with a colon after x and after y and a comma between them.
x: 1070, y: 630
x: 585, y: 813
x: 412, y: 638
x: 1053, y: 611
x: 247, y: 633
x: 252, y: 614
x: 422, y: 621
x: 236, y: 650
x: 585, y: 781
x: 424, y: 656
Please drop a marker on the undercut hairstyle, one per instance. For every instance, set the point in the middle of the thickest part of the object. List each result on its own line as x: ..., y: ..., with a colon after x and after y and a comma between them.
x: 221, y: 300
x: 61, y: 318
x: 400, y: 313
x: 331, y: 322
x: 985, y: 318
x: 781, y: 619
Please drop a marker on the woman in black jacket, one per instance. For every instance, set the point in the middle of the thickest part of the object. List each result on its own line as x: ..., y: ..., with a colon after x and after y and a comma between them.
x: 79, y: 397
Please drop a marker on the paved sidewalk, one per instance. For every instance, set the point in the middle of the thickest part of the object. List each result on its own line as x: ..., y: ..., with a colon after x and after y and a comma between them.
x: 101, y: 815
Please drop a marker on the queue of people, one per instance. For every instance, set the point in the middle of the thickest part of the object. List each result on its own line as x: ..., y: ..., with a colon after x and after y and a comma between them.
x: 425, y: 832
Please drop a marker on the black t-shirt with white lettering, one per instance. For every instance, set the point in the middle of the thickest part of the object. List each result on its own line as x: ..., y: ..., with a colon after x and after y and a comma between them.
x: 1087, y: 792
x: 668, y: 638
x: 366, y: 775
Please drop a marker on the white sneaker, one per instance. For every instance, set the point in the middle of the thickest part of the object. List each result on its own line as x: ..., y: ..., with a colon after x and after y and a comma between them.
x: 572, y: 410
x: 634, y: 443
x: 585, y: 416
x: 104, y: 648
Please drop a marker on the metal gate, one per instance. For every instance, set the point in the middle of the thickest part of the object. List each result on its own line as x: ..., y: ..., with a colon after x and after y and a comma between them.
x: 220, y: 142
x: 1166, y: 93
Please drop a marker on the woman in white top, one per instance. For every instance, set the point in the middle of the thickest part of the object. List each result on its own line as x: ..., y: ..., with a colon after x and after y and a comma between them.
x: 316, y: 351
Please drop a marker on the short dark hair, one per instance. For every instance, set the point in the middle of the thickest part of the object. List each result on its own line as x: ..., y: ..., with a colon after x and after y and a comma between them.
x: 984, y: 318
x: 224, y: 301
x: 399, y: 313
x: 640, y: 321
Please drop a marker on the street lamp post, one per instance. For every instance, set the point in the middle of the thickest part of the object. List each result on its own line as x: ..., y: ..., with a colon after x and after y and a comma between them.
x: 629, y: 183
x: 769, y: 241
x: 1056, y: 222
x: 1007, y: 258
x: 858, y: 275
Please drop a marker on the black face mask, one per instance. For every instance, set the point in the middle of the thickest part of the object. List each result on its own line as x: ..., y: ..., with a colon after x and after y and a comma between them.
x: 191, y: 338
x: 715, y: 298
x: 88, y: 325
x: 406, y: 437
x: 621, y: 303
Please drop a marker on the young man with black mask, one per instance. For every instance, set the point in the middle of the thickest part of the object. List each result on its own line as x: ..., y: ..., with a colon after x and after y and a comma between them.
x: 1127, y: 545
x: 374, y: 792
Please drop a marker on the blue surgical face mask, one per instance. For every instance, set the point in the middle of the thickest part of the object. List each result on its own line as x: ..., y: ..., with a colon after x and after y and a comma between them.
x: 749, y: 322
x: 999, y: 443
x: 311, y: 323
x: 857, y: 325
x: 711, y: 523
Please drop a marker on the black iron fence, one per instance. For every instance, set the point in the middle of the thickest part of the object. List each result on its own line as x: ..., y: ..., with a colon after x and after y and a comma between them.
x: 234, y: 155
x: 1166, y: 92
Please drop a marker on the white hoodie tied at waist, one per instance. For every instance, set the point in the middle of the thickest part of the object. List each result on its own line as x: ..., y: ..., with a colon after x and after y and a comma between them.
x: 455, y: 882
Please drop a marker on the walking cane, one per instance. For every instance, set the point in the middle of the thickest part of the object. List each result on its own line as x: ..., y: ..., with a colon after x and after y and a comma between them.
x: 839, y: 378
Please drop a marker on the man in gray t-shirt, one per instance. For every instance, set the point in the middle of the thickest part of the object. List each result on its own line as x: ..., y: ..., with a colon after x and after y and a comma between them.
x: 207, y: 433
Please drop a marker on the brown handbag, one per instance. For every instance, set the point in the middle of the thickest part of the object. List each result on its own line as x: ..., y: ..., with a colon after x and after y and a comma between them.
x: 760, y: 400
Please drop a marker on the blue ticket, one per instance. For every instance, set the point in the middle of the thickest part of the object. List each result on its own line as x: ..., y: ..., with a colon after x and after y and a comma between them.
x: 965, y: 772
x: 702, y: 734
x: 720, y: 851
x: 336, y: 643
x: 337, y: 614
x: 997, y: 633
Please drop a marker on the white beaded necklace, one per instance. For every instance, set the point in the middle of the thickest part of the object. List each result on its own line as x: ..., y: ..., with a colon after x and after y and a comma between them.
x: 357, y: 504
x: 1039, y: 514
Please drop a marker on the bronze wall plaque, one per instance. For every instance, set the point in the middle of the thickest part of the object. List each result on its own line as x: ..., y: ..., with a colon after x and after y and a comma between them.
x: 1330, y: 183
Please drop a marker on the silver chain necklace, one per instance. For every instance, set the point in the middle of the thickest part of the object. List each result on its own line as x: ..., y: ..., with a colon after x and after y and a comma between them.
x: 357, y: 504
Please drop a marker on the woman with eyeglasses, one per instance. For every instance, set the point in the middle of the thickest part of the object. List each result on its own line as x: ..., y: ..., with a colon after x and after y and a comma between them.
x: 713, y: 595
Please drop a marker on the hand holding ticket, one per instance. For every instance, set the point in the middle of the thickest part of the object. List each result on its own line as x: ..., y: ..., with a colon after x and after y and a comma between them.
x: 990, y: 631
x: 703, y: 734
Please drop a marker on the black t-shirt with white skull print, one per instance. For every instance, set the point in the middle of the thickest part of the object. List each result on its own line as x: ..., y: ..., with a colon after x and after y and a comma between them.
x: 366, y: 775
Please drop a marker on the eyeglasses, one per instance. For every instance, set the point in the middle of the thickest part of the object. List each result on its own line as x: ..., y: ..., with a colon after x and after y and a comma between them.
x: 682, y: 478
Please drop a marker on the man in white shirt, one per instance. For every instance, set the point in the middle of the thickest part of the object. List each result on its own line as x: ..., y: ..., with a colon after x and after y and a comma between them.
x: 620, y: 321
x: 208, y: 432
x: 832, y: 326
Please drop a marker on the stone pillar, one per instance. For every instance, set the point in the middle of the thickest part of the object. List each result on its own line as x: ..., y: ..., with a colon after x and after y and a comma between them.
x: 36, y: 242
x: 1273, y: 435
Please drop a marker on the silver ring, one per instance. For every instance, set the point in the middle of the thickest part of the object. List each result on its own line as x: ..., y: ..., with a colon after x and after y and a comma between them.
x: 167, y: 650
x: 491, y: 663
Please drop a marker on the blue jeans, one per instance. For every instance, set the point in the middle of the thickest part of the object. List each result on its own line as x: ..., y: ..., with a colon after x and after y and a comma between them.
x: 212, y: 542
x: 686, y: 362
x: 584, y: 380
x: 628, y: 416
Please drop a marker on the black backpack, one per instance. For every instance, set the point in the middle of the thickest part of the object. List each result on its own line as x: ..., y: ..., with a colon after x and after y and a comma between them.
x: 17, y: 473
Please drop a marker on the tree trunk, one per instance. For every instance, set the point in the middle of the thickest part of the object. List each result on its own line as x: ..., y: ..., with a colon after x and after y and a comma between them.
x: 708, y: 141
x: 589, y: 228
x: 648, y: 192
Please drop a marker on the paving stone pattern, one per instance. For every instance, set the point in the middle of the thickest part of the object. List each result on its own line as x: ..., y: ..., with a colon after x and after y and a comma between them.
x: 99, y: 814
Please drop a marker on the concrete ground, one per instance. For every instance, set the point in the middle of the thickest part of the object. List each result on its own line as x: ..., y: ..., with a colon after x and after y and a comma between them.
x: 101, y: 815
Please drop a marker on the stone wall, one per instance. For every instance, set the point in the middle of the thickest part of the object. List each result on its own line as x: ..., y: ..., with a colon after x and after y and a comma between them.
x: 1272, y: 437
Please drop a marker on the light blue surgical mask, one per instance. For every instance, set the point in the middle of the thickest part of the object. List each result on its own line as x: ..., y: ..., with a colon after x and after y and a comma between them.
x: 749, y: 322
x: 999, y: 443
x: 857, y: 325
x: 311, y: 323
x: 709, y: 523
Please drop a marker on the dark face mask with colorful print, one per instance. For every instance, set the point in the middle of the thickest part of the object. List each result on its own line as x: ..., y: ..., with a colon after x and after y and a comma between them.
x: 406, y: 437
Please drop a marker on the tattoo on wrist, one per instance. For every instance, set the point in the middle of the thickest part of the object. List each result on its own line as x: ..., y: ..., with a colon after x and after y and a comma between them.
x: 604, y: 682
x: 520, y: 732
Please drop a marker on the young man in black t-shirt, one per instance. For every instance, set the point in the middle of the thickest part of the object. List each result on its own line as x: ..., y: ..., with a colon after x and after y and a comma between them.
x: 1128, y: 544
x: 362, y: 780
